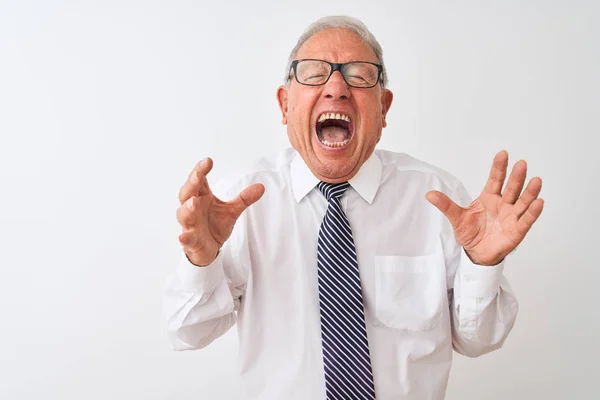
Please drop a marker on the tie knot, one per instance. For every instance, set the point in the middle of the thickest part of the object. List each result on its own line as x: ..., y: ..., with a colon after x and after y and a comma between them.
x: 332, y: 190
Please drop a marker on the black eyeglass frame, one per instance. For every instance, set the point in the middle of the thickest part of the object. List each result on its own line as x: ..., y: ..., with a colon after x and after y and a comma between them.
x: 337, y: 67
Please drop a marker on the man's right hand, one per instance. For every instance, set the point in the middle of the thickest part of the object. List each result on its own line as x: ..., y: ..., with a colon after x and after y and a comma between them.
x: 207, y: 222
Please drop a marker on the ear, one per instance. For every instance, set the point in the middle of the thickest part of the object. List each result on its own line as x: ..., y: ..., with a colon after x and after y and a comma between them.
x: 386, y: 102
x: 282, y: 99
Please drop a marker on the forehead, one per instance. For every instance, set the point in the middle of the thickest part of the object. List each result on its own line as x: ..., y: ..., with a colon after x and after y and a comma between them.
x: 336, y: 45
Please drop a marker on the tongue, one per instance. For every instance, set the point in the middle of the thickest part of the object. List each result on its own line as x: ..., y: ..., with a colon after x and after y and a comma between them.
x: 334, y: 133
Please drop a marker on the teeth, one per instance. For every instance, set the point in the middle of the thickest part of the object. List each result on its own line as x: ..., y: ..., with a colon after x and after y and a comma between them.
x: 342, y: 117
x: 325, y: 116
x: 335, y: 144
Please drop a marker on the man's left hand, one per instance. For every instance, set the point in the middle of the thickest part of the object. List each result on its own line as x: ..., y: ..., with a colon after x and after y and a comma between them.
x: 496, y: 222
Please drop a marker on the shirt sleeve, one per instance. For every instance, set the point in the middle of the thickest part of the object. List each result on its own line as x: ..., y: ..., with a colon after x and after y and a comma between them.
x: 482, y: 304
x: 200, y: 304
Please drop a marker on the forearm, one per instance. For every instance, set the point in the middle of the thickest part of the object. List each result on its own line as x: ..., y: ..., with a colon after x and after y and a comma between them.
x: 483, y: 308
x: 198, y: 305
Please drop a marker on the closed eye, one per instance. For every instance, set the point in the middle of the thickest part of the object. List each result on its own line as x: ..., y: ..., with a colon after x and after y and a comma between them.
x: 357, y: 78
x: 315, y: 77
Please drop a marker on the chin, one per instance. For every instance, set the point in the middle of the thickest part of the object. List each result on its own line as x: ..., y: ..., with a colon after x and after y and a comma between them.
x: 334, y: 170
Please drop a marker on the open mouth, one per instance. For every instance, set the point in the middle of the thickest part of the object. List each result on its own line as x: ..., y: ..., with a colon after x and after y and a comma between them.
x: 334, y: 130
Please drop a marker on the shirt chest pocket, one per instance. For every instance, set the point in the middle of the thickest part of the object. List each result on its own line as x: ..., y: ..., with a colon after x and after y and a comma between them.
x: 409, y: 292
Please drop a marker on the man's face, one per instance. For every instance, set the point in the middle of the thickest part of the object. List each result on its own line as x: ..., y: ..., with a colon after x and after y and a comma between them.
x: 336, y: 152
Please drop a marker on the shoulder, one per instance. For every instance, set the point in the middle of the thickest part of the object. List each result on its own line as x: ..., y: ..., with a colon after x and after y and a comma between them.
x: 268, y: 169
x: 402, y: 165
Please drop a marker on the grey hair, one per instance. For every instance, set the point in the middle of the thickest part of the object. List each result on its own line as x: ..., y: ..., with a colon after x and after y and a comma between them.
x: 339, y: 22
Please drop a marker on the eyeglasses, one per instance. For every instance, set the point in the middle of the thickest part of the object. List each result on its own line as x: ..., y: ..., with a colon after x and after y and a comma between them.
x: 358, y: 74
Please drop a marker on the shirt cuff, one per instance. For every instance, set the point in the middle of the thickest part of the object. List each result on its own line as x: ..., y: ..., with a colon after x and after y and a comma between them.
x: 479, y: 280
x: 200, y: 279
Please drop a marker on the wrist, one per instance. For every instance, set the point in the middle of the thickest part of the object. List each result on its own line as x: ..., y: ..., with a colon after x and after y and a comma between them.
x: 484, y: 262
x: 201, y: 261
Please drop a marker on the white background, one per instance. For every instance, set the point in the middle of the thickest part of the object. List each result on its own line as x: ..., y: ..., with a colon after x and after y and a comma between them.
x: 105, y: 106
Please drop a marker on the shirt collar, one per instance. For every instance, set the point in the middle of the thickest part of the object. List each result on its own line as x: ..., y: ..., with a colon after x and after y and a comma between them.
x: 365, y: 182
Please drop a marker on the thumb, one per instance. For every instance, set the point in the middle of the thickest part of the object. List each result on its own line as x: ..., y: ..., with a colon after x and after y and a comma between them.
x: 247, y: 197
x: 450, y: 209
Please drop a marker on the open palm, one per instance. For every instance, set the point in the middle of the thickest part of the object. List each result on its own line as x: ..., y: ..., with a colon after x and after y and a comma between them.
x: 496, y: 222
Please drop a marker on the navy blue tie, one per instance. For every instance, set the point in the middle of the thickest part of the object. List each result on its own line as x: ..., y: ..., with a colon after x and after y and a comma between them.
x: 348, y: 373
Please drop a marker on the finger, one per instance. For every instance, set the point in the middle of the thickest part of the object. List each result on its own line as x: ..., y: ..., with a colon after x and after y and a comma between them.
x: 497, y: 173
x: 450, y: 209
x: 188, y: 239
x: 186, y: 214
x: 515, y: 183
x: 530, y: 216
x: 196, y: 184
x: 246, y: 198
x: 206, y: 166
x: 531, y: 193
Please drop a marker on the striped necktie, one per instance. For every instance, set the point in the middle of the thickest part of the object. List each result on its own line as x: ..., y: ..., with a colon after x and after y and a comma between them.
x: 346, y: 356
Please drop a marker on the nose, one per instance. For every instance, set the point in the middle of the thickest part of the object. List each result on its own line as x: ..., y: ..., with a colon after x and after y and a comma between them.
x: 336, y: 87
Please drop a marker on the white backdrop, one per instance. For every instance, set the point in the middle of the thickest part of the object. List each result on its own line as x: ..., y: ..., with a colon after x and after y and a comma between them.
x: 105, y: 106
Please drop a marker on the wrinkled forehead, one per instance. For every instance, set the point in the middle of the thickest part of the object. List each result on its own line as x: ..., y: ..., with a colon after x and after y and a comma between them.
x: 338, y: 46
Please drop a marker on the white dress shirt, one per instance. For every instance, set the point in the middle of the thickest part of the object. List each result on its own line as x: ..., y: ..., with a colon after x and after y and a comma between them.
x: 422, y: 295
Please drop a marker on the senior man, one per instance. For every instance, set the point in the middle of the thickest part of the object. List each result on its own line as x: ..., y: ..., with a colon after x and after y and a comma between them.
x: 345, y: 281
